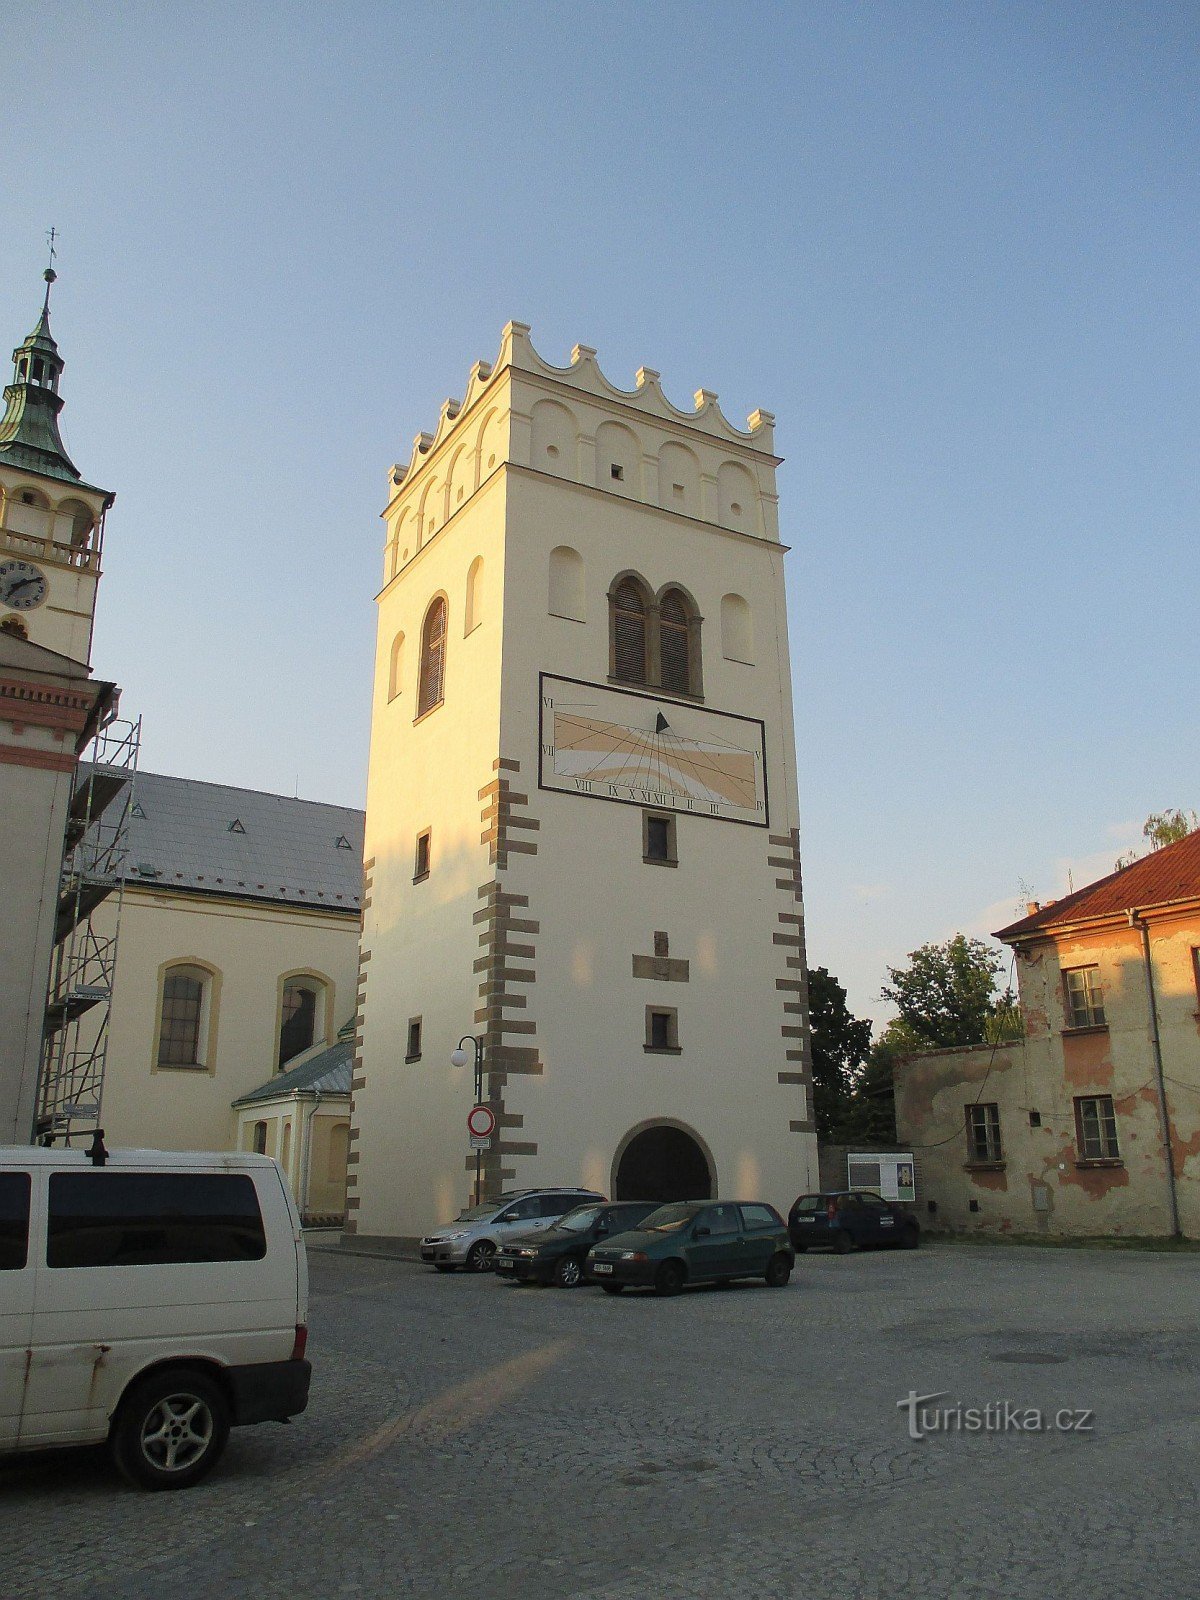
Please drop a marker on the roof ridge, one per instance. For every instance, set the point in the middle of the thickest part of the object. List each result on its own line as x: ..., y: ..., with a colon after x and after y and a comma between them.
x: 268, y: 794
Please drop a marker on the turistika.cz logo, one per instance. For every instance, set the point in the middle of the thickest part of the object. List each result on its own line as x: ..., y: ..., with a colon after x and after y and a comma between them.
x: 997, y: 1416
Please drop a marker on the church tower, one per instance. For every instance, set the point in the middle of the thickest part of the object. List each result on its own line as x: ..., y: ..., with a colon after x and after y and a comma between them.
x: 51, y: 522
x: 582, y: 819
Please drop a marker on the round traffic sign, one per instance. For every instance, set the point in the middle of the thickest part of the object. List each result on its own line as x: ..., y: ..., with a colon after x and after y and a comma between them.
x: 481, y: 1122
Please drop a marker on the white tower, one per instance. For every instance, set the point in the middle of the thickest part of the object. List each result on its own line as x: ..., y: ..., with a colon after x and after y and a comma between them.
x: 582, y: 816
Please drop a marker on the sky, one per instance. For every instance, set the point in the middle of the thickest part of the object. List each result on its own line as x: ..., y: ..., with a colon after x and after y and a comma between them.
x: 953, y: 247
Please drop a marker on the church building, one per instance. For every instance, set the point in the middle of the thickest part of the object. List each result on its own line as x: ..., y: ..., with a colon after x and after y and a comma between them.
x: 582, y: 854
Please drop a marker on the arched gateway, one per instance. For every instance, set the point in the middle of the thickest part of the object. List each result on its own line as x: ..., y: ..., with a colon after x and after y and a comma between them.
x: 663, y: 1162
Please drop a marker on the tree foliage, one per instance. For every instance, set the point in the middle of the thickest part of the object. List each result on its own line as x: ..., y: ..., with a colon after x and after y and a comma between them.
x: 840, y: 1042
x: 946, y: 993
x: 1162, y: 828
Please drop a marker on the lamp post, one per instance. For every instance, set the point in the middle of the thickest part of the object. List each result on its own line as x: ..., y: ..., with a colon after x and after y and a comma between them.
x: 459, y: 1058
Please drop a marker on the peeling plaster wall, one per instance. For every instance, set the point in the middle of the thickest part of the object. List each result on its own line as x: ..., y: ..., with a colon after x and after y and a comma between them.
x: 1042, y: 1185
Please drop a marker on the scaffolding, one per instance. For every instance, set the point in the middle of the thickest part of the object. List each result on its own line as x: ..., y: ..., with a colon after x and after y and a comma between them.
x: 96, y: 847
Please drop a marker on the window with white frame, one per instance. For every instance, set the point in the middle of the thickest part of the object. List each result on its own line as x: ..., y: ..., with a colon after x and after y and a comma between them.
x: 1085, y: 998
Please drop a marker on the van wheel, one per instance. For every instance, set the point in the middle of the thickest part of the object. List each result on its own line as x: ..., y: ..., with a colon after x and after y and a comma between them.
x: 170, y: 1429
x: 479, y: 1256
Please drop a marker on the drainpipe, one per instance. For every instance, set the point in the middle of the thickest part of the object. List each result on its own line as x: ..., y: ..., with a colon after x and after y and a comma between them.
x: 306, y: 1164
x: 1136, y: 921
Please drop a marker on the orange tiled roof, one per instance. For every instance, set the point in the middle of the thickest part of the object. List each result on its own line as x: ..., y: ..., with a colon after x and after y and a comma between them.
x: 1162, y: 877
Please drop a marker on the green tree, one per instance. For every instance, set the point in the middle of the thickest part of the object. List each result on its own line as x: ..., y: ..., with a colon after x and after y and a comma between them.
x: 946, y: 993
x: 1162, y: 828
x: 840, y: 1042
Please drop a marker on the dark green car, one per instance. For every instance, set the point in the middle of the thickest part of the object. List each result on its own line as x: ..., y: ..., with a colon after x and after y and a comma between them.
x: 696, y: 1241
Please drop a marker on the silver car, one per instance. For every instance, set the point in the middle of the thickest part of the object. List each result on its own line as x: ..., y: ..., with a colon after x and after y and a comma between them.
x: 473, y: 1238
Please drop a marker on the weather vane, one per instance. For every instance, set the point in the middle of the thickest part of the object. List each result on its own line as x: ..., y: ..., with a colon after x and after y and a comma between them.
x: 50, y: 275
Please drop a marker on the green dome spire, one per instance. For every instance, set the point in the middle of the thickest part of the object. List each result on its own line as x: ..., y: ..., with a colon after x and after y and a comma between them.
x: 29, y: 436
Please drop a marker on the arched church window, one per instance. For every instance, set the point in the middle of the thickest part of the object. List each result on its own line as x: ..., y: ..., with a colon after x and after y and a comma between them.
x: 675, y: 619
x: 629, y: 632
x: 433, y: 658
x: 184, y: 1017
x: 474, y: 607
x: 298, y: 1020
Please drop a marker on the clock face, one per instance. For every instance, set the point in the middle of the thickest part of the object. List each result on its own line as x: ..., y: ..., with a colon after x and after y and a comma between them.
x: 638, y: 749
x: 22, y: 585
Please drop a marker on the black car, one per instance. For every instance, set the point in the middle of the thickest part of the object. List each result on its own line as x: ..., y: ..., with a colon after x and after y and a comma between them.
x: 557, y: 1254
x: 851, y: 1219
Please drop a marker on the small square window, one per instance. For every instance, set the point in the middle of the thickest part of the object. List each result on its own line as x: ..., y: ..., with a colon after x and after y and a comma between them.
x: 1085, y: 998
x: 658, y: 839
x: 421, y: 860
x: 414, y: 1039
x: 618, y: 472
x: 662, y: 1030
x: 1035, y: 1119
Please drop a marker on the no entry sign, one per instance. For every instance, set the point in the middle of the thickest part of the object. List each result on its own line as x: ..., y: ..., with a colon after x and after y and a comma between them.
x: 481, y: 1122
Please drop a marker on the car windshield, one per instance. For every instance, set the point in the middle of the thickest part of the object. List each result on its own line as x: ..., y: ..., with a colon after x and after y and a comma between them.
x: 579, y: 1220
x: 476, y: 1213
x: 669, y: 1219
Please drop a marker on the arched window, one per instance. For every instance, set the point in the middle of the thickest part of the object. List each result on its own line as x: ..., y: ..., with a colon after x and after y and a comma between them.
x: 629, y: 632
x: 299, y: 1020
x: 260, y: 1138
x: 674, y: 637
x: 396, y: 669
x: 737, y: 629
x: 184, y: 1014
x: 566, y: 583
x: 285, y: 1154
x: 474, y: 613
x: 433, y: 658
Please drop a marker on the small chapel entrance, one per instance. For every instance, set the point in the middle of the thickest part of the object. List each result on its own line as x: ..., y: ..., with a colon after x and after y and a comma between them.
x: 663, y: 1163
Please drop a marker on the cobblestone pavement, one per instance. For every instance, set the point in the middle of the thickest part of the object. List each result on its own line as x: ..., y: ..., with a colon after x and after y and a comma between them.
x: 470, y: 1438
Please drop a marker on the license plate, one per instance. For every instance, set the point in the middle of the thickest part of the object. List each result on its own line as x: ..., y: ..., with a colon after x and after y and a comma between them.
x: 504, y: 1266
x: 601, y: 1266
x: 886, y: 1222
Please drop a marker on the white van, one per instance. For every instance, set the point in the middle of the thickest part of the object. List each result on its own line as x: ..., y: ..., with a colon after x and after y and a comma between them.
x: 154, y: 1300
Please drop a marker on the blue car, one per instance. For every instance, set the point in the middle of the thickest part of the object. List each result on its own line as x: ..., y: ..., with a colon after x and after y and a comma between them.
x: 851, y: 1219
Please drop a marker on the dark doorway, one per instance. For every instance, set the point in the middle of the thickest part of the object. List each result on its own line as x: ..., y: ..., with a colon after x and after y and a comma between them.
x: 663, y: 1163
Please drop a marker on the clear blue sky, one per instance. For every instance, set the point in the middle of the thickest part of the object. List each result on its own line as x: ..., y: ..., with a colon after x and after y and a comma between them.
x: 952, y: 246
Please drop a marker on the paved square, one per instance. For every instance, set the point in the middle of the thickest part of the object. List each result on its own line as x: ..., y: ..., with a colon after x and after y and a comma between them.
x: 470, y: 1438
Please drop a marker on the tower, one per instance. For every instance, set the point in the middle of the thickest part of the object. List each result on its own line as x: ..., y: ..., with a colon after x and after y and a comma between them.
x: 581, y: 838
x: 51, y: 522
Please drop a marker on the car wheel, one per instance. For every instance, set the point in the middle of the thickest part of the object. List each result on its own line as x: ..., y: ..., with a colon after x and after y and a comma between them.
x: 669, y: 1278
x: 479, y: 1256
x: 568, y: 1272
x: 910, y: 1238
x: 779, y: 1270
x: 445, y: 1266
x: 170, y: 1429
x: 613, y: 1288
x: 842, y: 1242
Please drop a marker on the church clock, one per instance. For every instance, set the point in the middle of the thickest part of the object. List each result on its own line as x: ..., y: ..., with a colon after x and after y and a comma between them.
x: 22, y: 585
x: 640, y: 749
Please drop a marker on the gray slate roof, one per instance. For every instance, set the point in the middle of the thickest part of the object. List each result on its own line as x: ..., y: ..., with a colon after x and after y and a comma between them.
x: 327, y: 1072
x: 212, y: 839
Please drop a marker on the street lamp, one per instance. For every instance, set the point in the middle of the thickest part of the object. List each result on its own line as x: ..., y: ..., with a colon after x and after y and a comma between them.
x: 459, y: 1058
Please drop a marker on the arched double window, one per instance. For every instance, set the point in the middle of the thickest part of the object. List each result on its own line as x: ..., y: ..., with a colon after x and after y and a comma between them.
x: 432, y: 682
x: 654, y: 641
